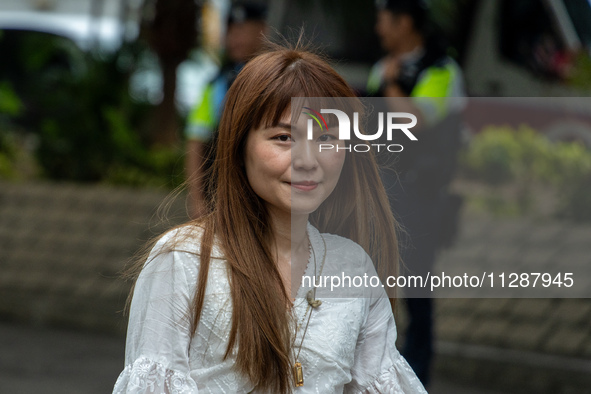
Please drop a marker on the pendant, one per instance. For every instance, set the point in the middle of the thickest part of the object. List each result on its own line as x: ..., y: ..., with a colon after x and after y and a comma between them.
x: 298, y: 374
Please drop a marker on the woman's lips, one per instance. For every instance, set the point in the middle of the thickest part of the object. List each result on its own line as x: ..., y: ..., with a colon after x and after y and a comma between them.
x: 305, y: 186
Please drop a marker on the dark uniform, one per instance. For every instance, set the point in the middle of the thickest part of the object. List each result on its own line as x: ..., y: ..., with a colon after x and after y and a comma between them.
x: 418, y: 192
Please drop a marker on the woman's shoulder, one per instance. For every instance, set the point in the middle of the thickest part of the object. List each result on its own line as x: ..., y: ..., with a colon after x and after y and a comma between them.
x: 180, y: 248
x: 187, y: 238
x: 176, y: 256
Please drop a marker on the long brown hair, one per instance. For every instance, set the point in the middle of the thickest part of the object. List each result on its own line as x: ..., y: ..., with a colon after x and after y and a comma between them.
x: 240, y: 223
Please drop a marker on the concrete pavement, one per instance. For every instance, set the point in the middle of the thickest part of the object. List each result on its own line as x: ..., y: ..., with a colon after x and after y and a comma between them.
x: 60, y: 361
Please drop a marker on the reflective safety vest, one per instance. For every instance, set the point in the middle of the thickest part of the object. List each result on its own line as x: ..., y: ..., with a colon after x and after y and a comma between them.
x: 434, y: 83
x: 441, y: 79
x: 205, y: 116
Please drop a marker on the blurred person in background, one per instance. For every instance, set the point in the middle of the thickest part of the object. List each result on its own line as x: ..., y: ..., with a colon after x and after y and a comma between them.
x: 416, y: 65
x: 246, y: 29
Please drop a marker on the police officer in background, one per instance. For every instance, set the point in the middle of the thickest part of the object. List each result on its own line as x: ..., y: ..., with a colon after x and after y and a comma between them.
x: 417, y: 66
x: 246, y: 29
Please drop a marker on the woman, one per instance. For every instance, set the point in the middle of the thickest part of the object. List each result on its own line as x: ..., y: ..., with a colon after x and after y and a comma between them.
x: 212, y: 308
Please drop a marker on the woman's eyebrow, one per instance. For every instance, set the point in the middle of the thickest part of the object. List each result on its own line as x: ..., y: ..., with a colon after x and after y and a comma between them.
x: 284, y: 125
x: 332, y: 122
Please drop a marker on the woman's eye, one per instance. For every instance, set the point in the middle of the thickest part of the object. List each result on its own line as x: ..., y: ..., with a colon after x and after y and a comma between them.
x: 326, y: 137
x: 283, y: 138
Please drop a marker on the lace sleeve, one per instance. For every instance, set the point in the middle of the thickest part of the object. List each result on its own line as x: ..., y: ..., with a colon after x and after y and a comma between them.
x: 399, y: 378
x: 148, y: 376
x: 158, y: 332
x: 379, y: 368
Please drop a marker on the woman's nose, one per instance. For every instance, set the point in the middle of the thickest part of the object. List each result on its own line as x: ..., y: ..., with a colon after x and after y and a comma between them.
x: 303, y: 156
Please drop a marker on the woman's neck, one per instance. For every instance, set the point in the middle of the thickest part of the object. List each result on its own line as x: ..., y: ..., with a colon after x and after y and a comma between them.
x: 291, y: 249
x: 289, y: 233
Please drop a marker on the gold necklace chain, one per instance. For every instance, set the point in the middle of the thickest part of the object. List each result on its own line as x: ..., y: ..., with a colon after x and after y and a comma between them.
x: 312, y: 303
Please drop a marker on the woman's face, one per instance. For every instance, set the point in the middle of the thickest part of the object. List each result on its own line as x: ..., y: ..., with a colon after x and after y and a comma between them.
x: 288, y: 171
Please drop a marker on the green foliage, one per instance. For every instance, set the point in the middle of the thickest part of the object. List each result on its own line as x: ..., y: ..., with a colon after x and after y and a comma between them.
x: 580, y: 74
x: 78, y: 140
x: 500, y: 155
x: 78, y: 105
x: 522, y: 159
x: 572, y: 176
x: 16, y: 161
x: 7, y: 152
x: 6, y: 160
x: 10, y: 104
x: 157, y: 167
x: 571, y: 162
x: 12, y: 155
x: 491, y: 157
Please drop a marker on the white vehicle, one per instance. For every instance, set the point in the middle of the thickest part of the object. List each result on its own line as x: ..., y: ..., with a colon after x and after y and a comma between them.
x: 528, y: 48
x: 88, y: 33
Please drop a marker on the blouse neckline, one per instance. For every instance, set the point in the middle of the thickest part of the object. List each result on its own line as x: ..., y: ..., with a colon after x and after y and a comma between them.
x: 317, y: 252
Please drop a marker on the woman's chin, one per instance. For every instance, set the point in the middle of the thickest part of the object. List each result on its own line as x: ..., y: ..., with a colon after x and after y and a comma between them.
x: 303, y: 209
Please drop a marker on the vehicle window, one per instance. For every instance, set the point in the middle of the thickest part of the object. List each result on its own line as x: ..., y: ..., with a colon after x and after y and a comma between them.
x: 529, y: 38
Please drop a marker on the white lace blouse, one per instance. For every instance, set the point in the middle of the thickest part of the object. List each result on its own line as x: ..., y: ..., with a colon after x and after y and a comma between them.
x: 348, y: 348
